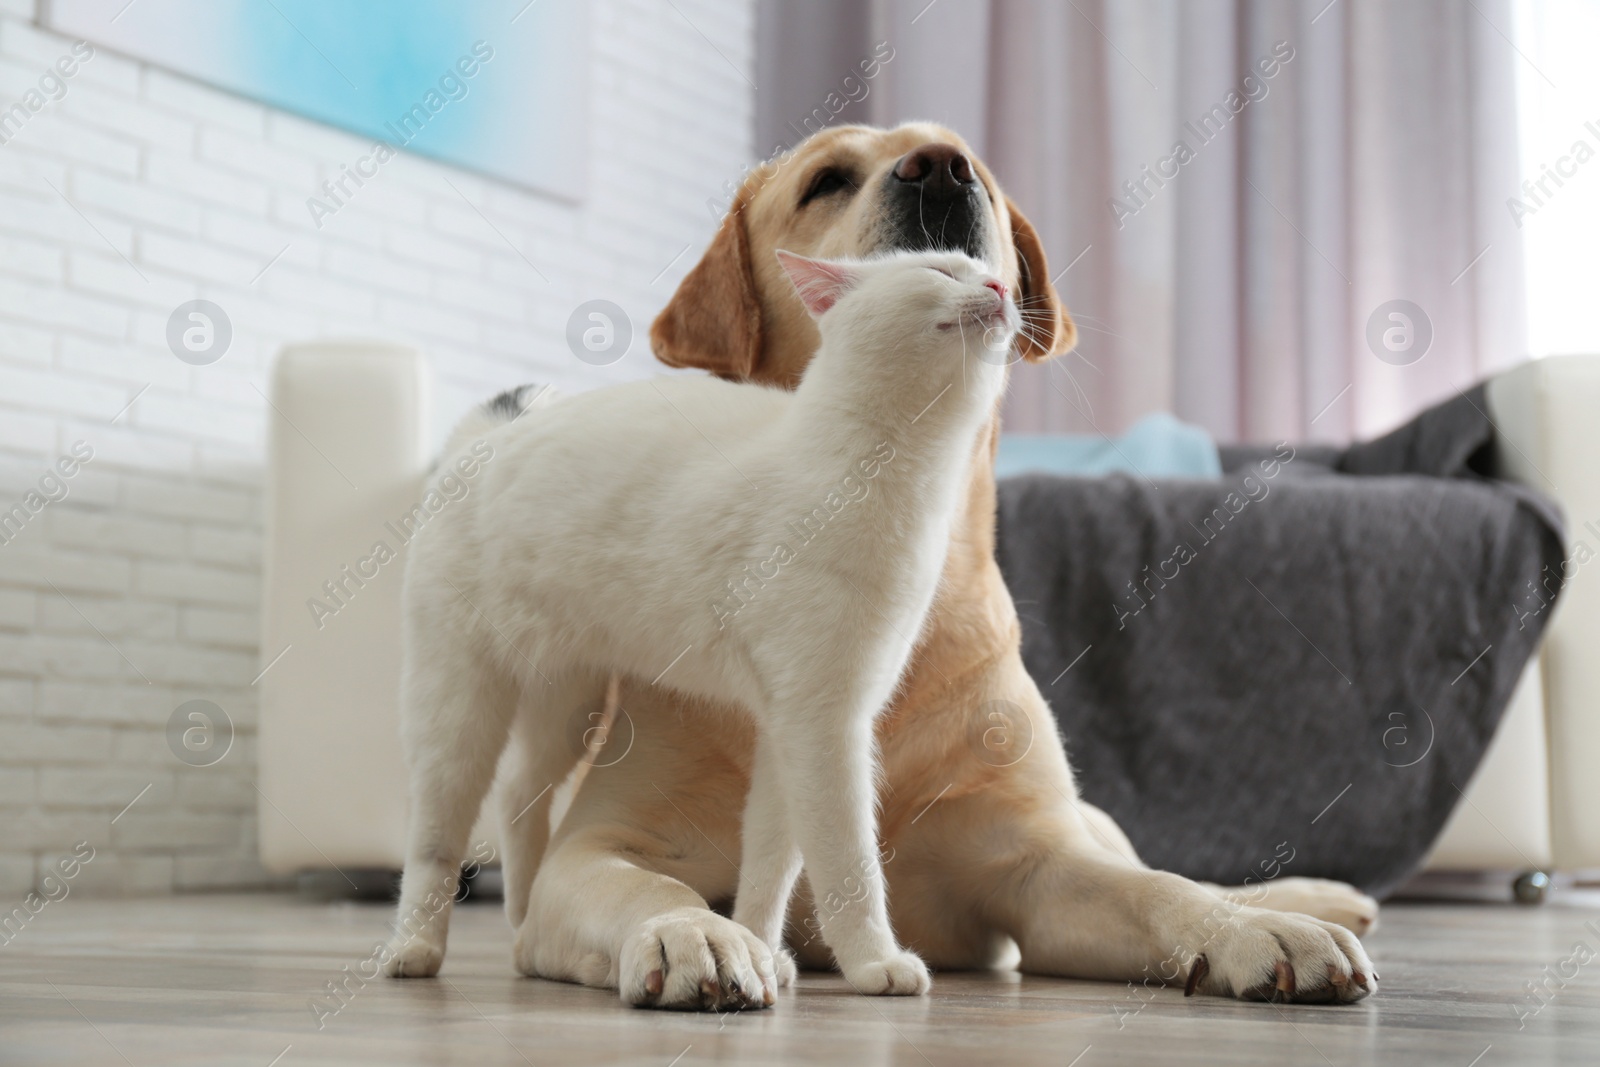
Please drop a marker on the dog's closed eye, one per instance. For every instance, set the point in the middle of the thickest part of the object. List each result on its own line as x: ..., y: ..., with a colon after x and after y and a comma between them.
x: 826, y: 181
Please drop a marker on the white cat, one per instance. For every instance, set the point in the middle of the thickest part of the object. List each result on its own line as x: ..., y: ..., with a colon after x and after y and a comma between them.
x: 771, y: 550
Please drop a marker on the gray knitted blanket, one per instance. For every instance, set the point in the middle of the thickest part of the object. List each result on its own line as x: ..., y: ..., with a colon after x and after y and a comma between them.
x: 1308, y: 656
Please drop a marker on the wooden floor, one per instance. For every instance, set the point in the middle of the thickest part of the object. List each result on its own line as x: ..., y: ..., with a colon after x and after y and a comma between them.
x: 219, y: 980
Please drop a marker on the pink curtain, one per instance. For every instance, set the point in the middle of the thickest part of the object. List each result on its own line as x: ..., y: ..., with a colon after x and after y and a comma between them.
x: 1275, y: 219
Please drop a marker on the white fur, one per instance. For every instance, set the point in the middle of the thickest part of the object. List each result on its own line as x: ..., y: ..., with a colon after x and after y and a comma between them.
x: 642, y: 530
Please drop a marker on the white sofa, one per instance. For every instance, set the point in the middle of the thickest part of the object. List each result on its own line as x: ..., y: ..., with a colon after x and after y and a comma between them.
x: 349, y: 450
x: 1535, y: 802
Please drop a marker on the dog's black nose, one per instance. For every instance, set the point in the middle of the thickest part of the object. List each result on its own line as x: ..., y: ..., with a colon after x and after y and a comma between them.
x: 940, y: 169
x: 933, y: 200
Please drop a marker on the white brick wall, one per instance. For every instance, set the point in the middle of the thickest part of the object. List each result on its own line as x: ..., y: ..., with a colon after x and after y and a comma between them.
x: 155, y: 554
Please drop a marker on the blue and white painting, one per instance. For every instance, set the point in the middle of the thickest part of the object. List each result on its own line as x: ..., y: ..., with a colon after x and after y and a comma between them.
x: 491, y: 86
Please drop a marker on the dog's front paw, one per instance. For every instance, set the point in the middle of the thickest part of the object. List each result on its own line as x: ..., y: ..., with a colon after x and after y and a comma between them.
x: 901, y: 975
x: 1264, y: 955
x: 1333, y: 902
x: 413, y: 958
x: 692, y: 959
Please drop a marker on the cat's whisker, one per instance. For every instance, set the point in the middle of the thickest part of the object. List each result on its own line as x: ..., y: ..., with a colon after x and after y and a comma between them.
x: 1032, y: 336
x: 1085, y: 317
x: 1032, y: 329
x: 963, y: 330
x: 1096, y: 329
x: 1091, y: 321
x: 1086, y: 407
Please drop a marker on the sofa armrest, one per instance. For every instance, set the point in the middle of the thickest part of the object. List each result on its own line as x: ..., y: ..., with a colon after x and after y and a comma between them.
x: 1547, y: 417
x: 347, y: 454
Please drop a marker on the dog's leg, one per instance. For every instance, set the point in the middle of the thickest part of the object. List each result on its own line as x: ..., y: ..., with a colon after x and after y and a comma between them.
x: 554, y: 728
x: 1320, y: 898
x: 1083, y: 912
x: 770, y: 861
x: 1079, y: 907
x: 455, y: 712
x: 1104, y: 831
x: 1333, y: 902
x: 823, y: 732
x: 598, y: 916
x: 620, y: 900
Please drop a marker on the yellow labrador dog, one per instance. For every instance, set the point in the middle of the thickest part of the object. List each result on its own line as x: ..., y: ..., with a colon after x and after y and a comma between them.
x: 985, y: 842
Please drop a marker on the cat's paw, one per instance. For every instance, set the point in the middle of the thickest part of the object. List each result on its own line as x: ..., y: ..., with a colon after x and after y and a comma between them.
x: 901, y: 975
x: 413, y: 958
x: 783, y: 962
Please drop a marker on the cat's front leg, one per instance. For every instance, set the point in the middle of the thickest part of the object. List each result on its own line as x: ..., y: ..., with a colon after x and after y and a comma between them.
x: 825, y: 743
x: 770, y: 864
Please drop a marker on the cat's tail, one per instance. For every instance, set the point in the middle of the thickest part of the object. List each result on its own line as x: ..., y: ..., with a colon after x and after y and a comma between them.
x: 506, y: 408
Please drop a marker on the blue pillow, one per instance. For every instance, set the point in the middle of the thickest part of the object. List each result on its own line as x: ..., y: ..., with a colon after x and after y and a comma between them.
x: 1157, y: 446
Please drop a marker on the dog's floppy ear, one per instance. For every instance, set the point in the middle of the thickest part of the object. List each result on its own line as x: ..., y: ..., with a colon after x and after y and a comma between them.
x: 1047, y: 329
x: 713, y: 321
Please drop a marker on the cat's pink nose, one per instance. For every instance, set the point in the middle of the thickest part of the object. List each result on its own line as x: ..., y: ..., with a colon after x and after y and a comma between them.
x: 998, y: 287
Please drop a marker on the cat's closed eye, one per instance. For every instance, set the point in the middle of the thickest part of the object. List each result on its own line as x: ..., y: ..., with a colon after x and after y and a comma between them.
x: 941, y: 270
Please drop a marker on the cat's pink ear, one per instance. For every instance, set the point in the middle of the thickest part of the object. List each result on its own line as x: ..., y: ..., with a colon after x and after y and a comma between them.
x: 819, y: 282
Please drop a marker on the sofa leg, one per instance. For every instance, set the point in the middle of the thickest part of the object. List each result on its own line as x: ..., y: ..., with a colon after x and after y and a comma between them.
x: 1531, y: 887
